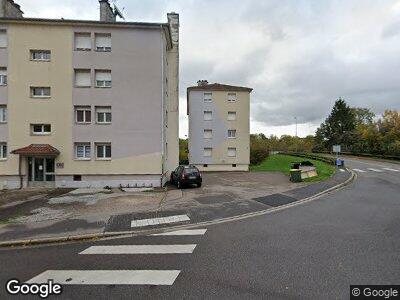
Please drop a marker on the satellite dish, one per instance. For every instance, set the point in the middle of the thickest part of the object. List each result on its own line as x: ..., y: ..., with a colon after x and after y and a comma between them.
x: 118, y: 12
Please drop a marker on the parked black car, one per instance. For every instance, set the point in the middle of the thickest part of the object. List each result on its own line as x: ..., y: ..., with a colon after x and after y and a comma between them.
x: 186, y: 176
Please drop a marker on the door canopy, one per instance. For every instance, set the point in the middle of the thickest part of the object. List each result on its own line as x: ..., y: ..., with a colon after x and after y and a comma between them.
x: 37, y: 150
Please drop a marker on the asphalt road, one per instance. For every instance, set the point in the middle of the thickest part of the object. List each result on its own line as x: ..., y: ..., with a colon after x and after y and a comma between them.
x: 311, y: 251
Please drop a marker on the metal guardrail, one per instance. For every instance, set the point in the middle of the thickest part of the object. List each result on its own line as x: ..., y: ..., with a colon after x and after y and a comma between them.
x: 328, y: 160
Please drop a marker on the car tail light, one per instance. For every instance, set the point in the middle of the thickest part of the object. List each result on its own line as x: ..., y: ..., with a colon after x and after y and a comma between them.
x: 183, y: 176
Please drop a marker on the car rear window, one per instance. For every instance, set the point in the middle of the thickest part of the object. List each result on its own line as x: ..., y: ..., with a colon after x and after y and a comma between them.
x: 191, y: 170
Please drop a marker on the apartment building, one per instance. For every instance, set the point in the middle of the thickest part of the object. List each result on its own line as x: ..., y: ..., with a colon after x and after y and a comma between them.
x: 87, y: 103
x: 219, y: 126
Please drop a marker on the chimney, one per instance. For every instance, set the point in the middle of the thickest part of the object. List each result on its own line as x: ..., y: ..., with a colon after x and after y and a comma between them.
x: 106, y: 12
x: 10, y: 9
x: 202, y: 82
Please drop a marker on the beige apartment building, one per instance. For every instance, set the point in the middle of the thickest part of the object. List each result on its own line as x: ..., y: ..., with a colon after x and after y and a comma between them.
x: 87, y: 103
x: 219, y: 126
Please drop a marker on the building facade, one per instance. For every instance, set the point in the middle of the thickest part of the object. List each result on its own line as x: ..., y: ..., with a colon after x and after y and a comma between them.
x: 88, y: 103
x: 219, y: 127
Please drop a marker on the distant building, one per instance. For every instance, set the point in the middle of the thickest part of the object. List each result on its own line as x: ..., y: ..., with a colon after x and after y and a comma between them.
x: 219, y: 126
x: 87, y: 103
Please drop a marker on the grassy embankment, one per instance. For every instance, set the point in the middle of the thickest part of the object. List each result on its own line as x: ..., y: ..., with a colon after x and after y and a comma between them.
x: 281, y: 163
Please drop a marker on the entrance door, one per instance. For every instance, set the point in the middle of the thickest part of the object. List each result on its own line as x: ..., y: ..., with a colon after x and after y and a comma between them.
x: 41, y: 171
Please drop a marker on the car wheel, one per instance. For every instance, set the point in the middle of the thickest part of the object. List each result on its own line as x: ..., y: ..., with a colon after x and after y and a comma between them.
x: 199, y: 185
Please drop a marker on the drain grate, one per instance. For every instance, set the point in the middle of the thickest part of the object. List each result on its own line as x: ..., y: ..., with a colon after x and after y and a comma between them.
x: 275, y: 200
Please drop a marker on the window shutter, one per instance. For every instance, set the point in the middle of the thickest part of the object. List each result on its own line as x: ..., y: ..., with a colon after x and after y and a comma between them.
x: 207, y: 134
x: 103, y: 75
x: 103, y: 40
x: 82, y: 78
x: 3, y: 71
x: 207, y: 115
x: 3, y: 39
x: 83, y: 41
x: 231, y: 152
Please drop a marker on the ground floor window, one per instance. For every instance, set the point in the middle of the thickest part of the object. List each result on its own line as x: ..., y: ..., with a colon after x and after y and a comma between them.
x: 103, y: 151
x: 3, y: 150
x: 82, y: 151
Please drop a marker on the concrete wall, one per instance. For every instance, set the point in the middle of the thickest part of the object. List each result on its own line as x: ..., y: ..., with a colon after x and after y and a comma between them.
x: 219, y: 126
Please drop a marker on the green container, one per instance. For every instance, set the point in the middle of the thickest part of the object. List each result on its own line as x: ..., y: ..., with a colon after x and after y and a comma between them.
x: 295, y: 175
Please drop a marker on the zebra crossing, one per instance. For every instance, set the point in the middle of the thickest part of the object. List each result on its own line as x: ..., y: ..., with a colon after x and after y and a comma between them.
x: 125, y: 277
x: 376, y: 170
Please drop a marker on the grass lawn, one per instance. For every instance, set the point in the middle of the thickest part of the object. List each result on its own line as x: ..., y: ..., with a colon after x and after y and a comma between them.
x: 281, y: 163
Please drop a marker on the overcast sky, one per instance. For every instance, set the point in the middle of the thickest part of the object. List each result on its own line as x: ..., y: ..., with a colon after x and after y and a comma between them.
x: 298, y: 55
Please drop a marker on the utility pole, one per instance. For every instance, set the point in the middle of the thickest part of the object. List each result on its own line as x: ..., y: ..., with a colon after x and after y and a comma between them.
x: 295, y: 118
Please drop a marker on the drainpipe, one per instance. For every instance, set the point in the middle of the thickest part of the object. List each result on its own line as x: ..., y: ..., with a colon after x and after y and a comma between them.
x: 162, y: 107
x: 21, y: 178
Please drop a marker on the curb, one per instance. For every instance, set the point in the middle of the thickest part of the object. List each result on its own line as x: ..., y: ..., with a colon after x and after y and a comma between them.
x: 96, y: 236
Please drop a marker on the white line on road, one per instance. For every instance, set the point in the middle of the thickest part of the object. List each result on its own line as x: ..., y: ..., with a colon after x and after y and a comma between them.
x: 159, y: 221
x: 392, y: 170
x: 375, y: 170
x: 125, y: 277
x: 140, y: 249
x: 183, y: 232
x: 358, y: 170
x: 341, y: 170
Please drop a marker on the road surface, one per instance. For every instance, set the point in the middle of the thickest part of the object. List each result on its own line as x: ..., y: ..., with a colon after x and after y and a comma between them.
x: 310, y: 251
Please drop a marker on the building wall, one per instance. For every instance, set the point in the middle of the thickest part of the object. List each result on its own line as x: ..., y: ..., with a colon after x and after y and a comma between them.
x: 219, y: 126
x: 138, y: 65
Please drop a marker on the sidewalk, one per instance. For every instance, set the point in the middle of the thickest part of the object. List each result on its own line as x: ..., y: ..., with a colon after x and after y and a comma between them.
x: 64, y: 213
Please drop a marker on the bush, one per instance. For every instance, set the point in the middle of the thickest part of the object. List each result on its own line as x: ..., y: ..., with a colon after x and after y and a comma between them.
x: 258, y: 153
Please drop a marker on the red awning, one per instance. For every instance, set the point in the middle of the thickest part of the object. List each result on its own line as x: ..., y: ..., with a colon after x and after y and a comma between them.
x: 37, y: 149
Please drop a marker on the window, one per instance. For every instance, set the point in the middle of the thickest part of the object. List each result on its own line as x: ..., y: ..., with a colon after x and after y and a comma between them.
x: 83, y: 114
x: 231, y: 134
x: 41, y: 129
x: 82, y: 151
x: 103, y: 115
x: 3, y: 114
x: 83, y: 42
x: 40, y: 92
x: 3, y: 76
x: 103, y: 151
x: 207, y: 97
x: 103, y: 79
x: 77, y: 177
x: 103, y: 42
x: 3, y: 39
x: 208, y: 134
x: 3, y: 150
x: 232, y: 152
x: 41, y: 55
x: 82, y: 78
x: 207, y: 152
x: 205, y: 166
x: 207, y: 115
x: 231, y: 97
x: 231, y: 116
x: 234, y: 166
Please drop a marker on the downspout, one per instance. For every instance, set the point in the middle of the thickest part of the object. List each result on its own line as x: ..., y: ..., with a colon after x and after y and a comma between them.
x: 21, y: 178
x: 162, y: 107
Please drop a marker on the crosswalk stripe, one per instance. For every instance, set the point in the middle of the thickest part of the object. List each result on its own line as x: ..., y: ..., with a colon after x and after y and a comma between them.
x: 140, y: 249
x: 183, y: 232
x: 103, y: 277
x: 392, y: 170
x: 159, y: 221
x: 358, y: 170
x: 375, y: 170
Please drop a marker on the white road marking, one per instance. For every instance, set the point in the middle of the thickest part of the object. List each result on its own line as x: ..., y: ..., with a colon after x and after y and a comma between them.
x: 97, y: 277
x: 158, y: 221
x: 140, y: 249
x: 183, y: 232
x: 358, y: 170
x: 375, y: 170
x: 392, y: 170
x: 341, y: 170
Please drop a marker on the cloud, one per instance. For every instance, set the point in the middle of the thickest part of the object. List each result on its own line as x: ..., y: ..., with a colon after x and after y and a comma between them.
x: 299, y: 56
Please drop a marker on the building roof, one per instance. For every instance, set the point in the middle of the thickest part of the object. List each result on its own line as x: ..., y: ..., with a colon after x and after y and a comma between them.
x: 37, y: 149
x: 219, y: 87
x: 66, y: 22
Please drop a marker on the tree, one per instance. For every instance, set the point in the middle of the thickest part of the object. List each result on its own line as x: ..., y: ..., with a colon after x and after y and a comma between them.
x: 339, y: 127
